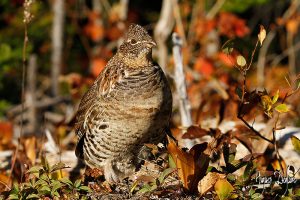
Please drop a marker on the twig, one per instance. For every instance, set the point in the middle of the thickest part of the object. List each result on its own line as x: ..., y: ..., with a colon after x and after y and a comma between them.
x: 184, y: 104
x: 253, y: 129
x: 244, y: 73
x: 27, y: 18
x: 39, y: 104
x: 215, y: 9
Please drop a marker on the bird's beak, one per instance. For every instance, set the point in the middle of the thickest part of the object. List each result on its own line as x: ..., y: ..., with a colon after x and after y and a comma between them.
x: 151, y: 43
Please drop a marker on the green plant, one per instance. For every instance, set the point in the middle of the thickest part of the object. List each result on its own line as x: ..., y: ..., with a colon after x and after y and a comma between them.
x: 42, y: 182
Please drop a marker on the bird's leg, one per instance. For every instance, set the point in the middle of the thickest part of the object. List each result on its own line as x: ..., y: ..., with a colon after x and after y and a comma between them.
x: 118, y: 168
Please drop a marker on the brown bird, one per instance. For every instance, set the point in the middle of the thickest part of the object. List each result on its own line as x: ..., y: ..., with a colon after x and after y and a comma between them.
x: 129, y: 104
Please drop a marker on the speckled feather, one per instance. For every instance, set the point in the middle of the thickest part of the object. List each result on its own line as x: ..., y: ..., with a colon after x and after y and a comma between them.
x: 129, y: 104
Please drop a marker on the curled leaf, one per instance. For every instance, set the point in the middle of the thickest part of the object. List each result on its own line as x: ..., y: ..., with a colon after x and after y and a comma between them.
x: 266, y: 103
x: 275, y: 97
x: 262, y: 34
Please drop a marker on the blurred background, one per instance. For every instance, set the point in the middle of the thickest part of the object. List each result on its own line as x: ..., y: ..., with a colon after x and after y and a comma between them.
x: 70, y: 42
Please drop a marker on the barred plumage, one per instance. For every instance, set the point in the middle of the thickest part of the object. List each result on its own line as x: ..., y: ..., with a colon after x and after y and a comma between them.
x: 129, y: 104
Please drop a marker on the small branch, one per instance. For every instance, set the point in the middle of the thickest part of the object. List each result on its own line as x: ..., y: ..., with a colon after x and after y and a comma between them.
x: 38, y: 105
x: 254, y: 130
x: 252, y: 55
x: 184, y: 104
x: 215, y: 9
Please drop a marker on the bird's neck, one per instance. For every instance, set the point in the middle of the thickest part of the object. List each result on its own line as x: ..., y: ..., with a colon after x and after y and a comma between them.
x: 141, y: 60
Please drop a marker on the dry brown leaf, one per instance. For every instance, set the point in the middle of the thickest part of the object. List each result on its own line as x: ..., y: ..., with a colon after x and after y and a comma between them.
x: 191, y: 165
x: 208, y: 182
x: 30, y: 148
x: 195, y: 132
x: 5, y: 182
x: 6, y: 133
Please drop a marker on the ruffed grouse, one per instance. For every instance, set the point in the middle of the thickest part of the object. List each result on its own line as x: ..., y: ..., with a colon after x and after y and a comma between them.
x: 129, y: 104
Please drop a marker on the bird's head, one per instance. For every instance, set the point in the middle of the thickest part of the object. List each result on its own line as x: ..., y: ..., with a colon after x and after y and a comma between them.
x: 137, y: 45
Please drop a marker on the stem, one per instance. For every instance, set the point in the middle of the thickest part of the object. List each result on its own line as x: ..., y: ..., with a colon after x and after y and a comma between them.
x: 275, y: 143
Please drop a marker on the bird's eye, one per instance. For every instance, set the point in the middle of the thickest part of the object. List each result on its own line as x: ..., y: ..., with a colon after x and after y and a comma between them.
x: 133, y: 41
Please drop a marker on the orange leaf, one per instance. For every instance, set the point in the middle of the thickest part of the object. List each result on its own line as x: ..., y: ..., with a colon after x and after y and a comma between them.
x: 226, y: 59
x: 204, y: 66
x: 5, y: 182
x: 30, y: 148
x: 191, y: 165
x: 94, y: 31
x: 98, y: 65
x: 6, y: 133
x: 194, y: 132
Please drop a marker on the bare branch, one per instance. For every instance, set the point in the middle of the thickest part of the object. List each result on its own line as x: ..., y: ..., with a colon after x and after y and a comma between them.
x: 179, y: 78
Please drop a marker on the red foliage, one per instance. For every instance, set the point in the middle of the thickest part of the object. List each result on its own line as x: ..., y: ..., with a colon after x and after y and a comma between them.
x: 230, y: 25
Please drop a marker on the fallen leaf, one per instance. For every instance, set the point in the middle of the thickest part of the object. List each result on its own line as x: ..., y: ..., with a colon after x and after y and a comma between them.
x: 223, y: 189
x: 194, y: 132
x: 30, y: 148
x: 191, y: 165
x: 208, y: 182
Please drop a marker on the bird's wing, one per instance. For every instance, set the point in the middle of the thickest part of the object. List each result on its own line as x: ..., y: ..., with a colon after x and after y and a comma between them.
x: 89, y: 105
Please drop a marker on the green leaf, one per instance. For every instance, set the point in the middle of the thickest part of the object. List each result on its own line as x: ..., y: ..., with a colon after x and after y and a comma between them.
x: 45, y: 164
x: 41, y: 182
x: 145, y: 188
x: 56, y: 185
x: 171, y: 162
x: 223, y: 189
x: 229, y: 152
x: 33, y: 196
x: 275, y: 97
x: 34, y: 169
x: 227, y: 47
x: 85, y: 188
x: 45, y: 189
x: 77, y: 183
x: 13, y: 196
x: 66, y: 181
x: 58, y: 166
x: 282, y: 108
x: 296, y: 143
x: 241, y: 61
x: 164, y: 174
